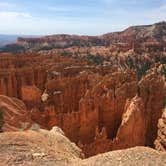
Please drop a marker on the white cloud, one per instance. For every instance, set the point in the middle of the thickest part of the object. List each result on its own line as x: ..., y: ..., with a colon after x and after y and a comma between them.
x: 70, y: 8
x: 4, y: 15
x: 61, y: 9
x: 100, y: 20
x: 4, y: 4
x: 163, y: 7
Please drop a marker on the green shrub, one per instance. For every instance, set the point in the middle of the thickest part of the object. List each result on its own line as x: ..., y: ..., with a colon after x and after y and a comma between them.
x: 129, y: 62
x: 142, y: 71
x: 97, y: 59
x: 12, y: 48
x: 163, y: 60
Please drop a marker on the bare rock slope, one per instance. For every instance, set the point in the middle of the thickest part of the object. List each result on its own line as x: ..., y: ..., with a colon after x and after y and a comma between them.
x: 40, y: 147
x: 52, y: 148
x: 138, y: 156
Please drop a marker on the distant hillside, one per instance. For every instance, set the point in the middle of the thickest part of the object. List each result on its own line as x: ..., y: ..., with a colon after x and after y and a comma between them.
x: 144, y: 34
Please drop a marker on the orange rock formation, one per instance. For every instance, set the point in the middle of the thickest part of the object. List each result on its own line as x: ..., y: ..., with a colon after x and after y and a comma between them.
x: 97, y: 107
x: 98, y: 92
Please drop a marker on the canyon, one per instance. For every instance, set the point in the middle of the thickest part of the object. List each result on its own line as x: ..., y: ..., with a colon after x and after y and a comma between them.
x: 106, y: 92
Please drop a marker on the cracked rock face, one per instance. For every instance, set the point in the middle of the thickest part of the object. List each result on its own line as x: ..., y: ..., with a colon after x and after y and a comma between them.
x: 133, y: 128
x: 160, y: 142
x: 13, y: 114
x: 99, y: 113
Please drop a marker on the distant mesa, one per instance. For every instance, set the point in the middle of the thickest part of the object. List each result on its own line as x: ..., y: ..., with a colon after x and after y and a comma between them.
x: 147, y: 34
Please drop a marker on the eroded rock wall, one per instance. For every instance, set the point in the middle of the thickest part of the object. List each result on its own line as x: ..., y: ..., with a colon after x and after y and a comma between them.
x: 100, y: 108
x: 14, y: 114
x: 160, y: 142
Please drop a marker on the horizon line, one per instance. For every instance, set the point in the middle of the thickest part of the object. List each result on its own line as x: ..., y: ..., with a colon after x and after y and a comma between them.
x: 71, y: 34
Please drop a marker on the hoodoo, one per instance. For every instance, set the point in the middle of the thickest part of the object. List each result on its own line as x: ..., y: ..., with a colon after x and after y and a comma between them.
x: 105, y: 92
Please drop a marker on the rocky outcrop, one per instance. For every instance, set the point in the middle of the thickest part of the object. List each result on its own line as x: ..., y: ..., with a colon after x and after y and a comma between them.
x: 14, y: 115
x: 151, y: 90
x: 137, y: 123
x: 59, y: 41
x: 13, y: 81
x: 38, y: 147
x: 160, y: 142
x: 137, y: 156
x: 65, y: 93
x: 31, y: 94
x: 133, y: 128
x: 55, y: 149
x: 147, y: 33
x: 103, y: 105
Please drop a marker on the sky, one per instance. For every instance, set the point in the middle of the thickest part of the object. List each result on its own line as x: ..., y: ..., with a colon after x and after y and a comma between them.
x: 82, y: 17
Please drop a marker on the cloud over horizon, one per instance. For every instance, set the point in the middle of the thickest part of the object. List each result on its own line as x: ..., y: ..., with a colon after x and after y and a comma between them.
x: 90, y: 17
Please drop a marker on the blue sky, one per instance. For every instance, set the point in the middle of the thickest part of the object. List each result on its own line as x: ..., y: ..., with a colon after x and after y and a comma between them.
x: 84, y: 17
